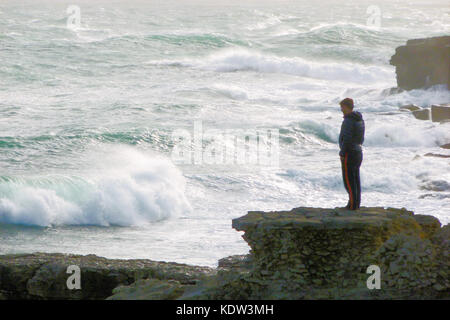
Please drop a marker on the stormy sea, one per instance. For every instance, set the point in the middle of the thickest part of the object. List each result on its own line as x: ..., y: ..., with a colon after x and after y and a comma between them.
x: 95, y: 96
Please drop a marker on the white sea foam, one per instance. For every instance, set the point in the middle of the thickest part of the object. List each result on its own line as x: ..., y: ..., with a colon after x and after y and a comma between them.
x: 130, y: 188
x: 388, y: 135
x: 283, y: 67
x: 231, y: 60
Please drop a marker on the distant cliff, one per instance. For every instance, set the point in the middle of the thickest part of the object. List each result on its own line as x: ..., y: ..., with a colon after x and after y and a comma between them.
x: 423, y: 63
x: 304, y: 253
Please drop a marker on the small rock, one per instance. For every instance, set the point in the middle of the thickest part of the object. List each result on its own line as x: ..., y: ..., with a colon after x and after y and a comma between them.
x: 440, y: 112
x: 410, y: 107
x: 436, y: 185
x: 148, y: 289
x: 437, y: 155
x: 422, y: 114
x: 439, y: 287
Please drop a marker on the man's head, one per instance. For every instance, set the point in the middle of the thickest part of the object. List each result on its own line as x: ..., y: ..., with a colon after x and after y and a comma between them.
x: 346, y: 106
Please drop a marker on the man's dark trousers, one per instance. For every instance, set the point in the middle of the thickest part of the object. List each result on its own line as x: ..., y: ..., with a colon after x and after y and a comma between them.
x: 350, y: 173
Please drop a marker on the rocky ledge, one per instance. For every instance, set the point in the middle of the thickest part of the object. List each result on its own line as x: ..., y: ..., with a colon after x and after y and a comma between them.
x: 44, y: 275
x: 304, y: 253
x: 422, y: 63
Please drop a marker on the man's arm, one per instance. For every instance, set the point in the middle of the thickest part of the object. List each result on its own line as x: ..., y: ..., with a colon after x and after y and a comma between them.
x: 347, y: 131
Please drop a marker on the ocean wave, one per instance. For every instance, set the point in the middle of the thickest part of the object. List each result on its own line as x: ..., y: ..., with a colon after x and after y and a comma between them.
x: 342, y: 32
x: 422, y: 97
x: 233, y: 60
x: 229, y: 91
x: 388, y: 135
x: 378, y: 134
x: 129, y: 188
x: 160, y: 139
x: 320, y: 130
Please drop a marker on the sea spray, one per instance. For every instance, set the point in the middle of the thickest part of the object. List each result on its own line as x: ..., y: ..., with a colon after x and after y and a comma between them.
x: 241, y: 59
x: 129, y: 187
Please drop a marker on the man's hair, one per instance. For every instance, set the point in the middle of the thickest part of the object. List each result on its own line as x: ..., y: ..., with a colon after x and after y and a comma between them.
x: 347, y: 102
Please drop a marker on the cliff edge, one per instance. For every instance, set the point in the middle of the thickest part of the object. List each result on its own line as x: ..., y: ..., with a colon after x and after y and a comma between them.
x: 304, y: 253
x: 422, y: 63
x: 316, y: 253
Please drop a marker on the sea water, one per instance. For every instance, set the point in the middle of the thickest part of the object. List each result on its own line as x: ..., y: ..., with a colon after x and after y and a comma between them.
x: 91, y: 93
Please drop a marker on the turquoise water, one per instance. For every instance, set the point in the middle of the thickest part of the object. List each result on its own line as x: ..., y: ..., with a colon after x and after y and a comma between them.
x: 87, y: 117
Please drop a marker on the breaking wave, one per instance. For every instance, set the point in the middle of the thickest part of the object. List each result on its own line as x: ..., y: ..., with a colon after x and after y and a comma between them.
x: 129, y: 188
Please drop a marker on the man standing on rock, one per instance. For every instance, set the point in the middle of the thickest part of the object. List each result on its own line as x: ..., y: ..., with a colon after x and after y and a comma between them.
x: 350, y: 140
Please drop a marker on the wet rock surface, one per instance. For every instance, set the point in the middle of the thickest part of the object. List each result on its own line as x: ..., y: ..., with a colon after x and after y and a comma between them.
x: 313, y: 253
x: 422, y: 63
x: 44, y: 275
x: 303, y: 253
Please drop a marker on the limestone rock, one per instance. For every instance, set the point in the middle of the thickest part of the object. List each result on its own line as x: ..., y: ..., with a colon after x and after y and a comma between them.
x: 303, y: 253
x: 440, y: 112
x: 422, y: 63
x: 43, y: 275
x: 240, y: 262
x: 410, y: 107
x: 422, y: 114
x: 436, y: 185
x: 149, y: 289
x: 324, y: 254
x: 429, y: 224
x: 407, y: 263
x: 437, y: 155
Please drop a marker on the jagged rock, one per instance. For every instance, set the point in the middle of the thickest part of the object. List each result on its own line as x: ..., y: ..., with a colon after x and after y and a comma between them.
x: 439, y: 196
x: 407, y: 263
x: 241, y: 262
x: 422, y: 114
x: 445, y: 146
x: 429, y: 224
x: 422, y: 63
x: 149, y: 289
x: 410, y: 107
x: 304, y: 253
x: 437, y: 155
x: 441, y: 241
x: 391, y: 91
x: 436, y: 185
x: 313, y: 253
x: 43, y: 275
x: 440, y: 112
x: 315, y: 237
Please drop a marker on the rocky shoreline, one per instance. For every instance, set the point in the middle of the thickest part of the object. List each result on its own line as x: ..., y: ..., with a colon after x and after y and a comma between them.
x: 44, y: 275
x: 304, y: 253
x: 422, y: 63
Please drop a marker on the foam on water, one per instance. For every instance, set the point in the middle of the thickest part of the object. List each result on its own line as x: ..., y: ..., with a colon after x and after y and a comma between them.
x: 124, y: 187
x: 391, y: 135
x: 231, y: 60
x: 135, y: 71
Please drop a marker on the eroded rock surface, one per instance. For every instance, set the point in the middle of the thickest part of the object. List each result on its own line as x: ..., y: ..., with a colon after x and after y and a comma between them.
x: 304, y: 253
x: 422, y: 63
x: 44, y: 275
x: 313, y: 253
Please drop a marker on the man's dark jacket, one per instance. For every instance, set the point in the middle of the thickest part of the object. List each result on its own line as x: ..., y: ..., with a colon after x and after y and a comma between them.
x: 352, y: 133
